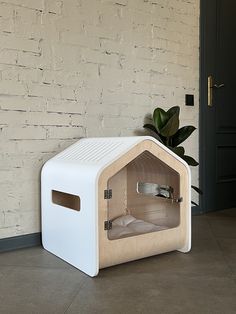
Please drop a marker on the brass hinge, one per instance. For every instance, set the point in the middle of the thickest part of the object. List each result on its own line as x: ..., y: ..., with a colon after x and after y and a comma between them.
x: 107, y: 225
x: 108, y: 194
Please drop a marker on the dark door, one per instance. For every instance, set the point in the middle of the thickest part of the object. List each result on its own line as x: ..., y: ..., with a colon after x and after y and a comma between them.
x: 218, y: 104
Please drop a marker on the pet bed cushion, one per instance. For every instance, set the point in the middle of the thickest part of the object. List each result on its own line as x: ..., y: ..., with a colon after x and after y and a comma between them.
x: 129, y: 225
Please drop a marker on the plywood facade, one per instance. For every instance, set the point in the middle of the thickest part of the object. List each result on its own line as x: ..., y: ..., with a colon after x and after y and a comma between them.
x: 131, y: 248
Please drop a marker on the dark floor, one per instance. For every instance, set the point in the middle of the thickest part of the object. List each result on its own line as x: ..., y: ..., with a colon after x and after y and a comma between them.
x: 202, y: 281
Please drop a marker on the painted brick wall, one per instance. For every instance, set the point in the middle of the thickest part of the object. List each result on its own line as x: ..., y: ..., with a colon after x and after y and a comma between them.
x: 75, y: 68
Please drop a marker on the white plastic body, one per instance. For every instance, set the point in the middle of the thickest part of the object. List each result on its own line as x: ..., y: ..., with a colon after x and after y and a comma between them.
x: 74, y: 235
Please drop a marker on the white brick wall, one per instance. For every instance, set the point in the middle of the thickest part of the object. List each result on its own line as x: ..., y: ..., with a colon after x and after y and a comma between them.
x: 74, y: 68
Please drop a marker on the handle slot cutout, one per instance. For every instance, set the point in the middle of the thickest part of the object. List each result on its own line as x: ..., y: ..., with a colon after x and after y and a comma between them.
x: 66, y: 200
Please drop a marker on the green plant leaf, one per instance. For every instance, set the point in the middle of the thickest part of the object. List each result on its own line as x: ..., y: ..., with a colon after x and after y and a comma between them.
x: 173, y: 110
x: 178, y: 150
x: 160, y: 118
x: 154, y: 130
x: 190, y: 160
x: 150, y: 127
x: 171, y: 127
x: 195, y: 188
x: 182, y: 134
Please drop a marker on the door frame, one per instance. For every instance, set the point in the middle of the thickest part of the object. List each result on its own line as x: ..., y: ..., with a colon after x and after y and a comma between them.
x: 202, y: 107
x: 207, y: 67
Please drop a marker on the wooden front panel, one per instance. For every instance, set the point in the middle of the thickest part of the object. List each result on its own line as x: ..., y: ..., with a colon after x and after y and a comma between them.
x: 113, y: 252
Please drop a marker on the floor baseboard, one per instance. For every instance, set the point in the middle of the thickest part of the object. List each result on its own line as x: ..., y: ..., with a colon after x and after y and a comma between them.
x: 19, y: 242
x: 196, y: 210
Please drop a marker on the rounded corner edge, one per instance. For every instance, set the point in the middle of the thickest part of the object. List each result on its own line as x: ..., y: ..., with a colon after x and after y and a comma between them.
x: 43, y: 243
x: 187, y: 247
x: 93, y: 273
x: 43, y: 169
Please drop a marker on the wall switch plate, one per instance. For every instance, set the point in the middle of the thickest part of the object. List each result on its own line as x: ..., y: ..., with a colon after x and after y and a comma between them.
x: 189, y: 100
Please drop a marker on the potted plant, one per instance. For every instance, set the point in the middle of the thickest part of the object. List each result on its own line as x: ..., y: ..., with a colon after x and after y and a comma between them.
x: 164, y: 126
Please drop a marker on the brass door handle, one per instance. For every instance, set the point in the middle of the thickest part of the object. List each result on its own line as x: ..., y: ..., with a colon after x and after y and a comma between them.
x: 218, y: 86
x: 209, y: 90
x: 210, y: 87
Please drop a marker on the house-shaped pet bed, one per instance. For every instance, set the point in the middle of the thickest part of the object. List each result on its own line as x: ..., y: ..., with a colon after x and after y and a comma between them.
x: 107, y: 201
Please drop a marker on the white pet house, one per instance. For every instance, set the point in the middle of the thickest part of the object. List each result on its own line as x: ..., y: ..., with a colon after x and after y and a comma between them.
x: 107, y: 201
